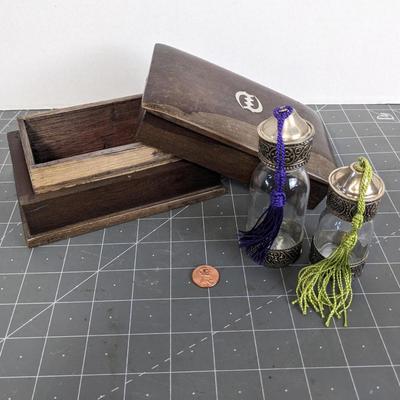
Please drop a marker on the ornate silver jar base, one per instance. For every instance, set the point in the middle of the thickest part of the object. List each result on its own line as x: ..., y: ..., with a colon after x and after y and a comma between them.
x: 316, y: 256
x: 283, y: 258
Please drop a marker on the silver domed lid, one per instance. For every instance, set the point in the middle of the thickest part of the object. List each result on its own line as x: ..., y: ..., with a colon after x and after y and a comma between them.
x: 345, y: 181
x: 295, y: 129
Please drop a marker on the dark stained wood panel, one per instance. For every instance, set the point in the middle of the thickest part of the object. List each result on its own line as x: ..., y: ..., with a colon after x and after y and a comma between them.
x: 83, y: 129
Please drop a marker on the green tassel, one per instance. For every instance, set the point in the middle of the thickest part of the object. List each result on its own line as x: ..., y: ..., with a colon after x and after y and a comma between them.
x: 328, y: 283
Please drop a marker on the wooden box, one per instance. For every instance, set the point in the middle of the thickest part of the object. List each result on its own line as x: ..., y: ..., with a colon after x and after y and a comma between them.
x: 80, y: 168
x: 208, y: 115
x: 155, y: 187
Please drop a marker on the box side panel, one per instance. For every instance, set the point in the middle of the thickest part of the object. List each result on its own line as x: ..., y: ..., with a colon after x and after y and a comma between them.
x: 79, y: 130
x: 95, y: 166
x: 119, y: 217
x: 184, y: 143
x: 22, y: 180
x: 160, y: 183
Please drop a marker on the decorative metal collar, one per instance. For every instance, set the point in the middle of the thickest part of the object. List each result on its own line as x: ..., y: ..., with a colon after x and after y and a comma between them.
x: 346, y: 209
x: 296, y: 154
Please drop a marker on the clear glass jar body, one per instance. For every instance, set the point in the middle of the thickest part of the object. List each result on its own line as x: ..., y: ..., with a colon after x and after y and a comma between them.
x: 297, y: 190
x: 330, y: 232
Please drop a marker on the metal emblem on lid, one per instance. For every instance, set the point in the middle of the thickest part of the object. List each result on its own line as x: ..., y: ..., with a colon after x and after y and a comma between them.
x: 344, y: 187
x: 297, y: 134
x: 249, y: 101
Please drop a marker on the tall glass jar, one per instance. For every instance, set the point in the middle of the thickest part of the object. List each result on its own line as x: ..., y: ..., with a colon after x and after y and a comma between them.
x: 297, y: 135
x: 341, y: 206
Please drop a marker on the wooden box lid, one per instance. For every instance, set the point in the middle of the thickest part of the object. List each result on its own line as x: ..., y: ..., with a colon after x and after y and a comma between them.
x: 222, y: 105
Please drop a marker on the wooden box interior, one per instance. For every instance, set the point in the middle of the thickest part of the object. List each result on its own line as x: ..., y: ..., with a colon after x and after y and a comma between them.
x: 81, y: 144
x: 80, y: 130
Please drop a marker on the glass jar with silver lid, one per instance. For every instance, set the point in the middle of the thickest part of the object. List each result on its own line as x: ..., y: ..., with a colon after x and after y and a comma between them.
x: 297, y: 135
x: 341, y: 206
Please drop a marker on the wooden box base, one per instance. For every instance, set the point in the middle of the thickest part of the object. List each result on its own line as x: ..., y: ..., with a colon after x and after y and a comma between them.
x: 65, y: 213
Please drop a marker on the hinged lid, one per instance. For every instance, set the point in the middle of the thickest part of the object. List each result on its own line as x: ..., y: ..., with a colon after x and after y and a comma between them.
x: 221, y: 105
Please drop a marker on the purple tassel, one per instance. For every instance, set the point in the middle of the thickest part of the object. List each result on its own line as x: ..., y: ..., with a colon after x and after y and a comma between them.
x: 258, y: 240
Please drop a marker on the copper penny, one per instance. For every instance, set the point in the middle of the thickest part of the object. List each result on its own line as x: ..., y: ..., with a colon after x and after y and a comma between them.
x: 205, y: 276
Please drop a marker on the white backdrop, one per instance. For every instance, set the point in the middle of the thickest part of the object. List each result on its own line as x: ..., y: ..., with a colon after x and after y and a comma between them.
x: 56, y: 53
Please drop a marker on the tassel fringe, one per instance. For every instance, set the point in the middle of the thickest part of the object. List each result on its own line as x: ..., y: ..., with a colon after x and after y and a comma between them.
x: 327, y: 285
x: 259, y: 239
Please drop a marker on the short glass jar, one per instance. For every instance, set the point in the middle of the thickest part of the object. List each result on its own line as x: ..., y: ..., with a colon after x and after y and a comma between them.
x: 297, y: 136
x: 341, y: 206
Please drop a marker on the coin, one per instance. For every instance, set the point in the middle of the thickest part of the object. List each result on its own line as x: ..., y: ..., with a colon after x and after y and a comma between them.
x: 205, y: 276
